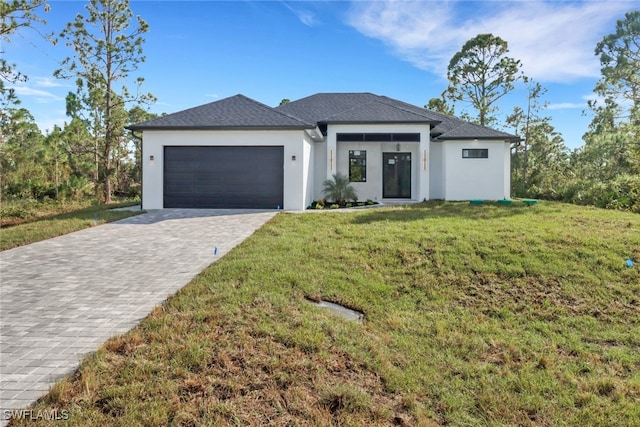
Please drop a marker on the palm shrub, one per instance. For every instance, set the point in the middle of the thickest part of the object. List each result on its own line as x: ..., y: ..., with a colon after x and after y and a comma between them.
x: 339, y: 189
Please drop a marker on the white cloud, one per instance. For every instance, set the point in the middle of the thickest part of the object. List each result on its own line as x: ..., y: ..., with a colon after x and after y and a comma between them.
x: 554, y: 40
x: 306, y: 17
x: 39, y: 95
x: 566, y: 105
x: 47, y: 82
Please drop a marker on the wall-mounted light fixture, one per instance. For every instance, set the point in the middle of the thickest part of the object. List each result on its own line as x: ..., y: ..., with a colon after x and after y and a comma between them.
x: 151, y: 157
x: 293, y: 158
x: 398, y: 146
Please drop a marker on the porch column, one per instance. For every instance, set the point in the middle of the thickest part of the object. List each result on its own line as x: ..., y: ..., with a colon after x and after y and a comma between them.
x: 332, y: 155
x: 423, y: 166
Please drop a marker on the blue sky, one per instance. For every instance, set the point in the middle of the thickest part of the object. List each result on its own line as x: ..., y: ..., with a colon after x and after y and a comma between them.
x: 201, y: 51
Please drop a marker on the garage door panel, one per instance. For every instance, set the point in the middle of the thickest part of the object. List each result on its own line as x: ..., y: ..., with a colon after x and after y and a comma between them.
x: 223, y: 177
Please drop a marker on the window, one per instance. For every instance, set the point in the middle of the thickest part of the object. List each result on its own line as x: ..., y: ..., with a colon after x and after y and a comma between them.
x: 357, y: 166
x: 378, y: 137
x: 475, y: 153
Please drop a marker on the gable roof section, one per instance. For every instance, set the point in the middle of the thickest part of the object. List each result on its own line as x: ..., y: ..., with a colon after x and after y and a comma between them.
x: 355, y: 108
x: 236, y: 112
x: 451, y: 127
x: 371, y: 108
x: 468, y: 130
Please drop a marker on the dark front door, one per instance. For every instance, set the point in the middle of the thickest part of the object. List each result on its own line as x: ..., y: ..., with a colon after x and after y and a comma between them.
x: 396, y: 175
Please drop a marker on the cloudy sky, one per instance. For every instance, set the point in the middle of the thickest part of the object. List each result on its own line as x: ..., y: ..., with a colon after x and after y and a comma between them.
x: 201, y: 51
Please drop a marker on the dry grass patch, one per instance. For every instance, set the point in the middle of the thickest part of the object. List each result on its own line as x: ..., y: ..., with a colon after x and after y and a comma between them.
x: 487, y: 315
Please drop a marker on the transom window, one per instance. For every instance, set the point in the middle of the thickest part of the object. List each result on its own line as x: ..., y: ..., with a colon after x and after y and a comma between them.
x: 378, y: 137
x: 357, y: 166
x: 475, y: 153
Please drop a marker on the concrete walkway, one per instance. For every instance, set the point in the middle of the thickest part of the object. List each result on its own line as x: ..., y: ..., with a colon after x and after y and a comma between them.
x: 60, y: 299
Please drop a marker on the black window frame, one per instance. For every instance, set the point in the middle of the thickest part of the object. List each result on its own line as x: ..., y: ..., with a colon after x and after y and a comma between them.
x: 480, y: 153
x: 378, y: 137
x: 358, y: 162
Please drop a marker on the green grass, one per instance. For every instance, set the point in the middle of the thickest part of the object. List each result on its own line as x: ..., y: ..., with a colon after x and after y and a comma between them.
x: 474, y: 315
x: 45, y: 221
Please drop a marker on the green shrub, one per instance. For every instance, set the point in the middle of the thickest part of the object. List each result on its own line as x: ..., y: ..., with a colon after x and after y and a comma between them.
x: 339, y: 189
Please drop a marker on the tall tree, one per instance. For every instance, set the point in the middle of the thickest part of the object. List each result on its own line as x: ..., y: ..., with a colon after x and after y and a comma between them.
x: 620, y: 64
x: 137, y: 115
x: 619, y: 55
x: 540, y: 161
x: 607, y: 166
x: 521, y: 121
x: 108, y: 45
x: 440, y: 105
x: 14, y: 15
x: 481, y: 73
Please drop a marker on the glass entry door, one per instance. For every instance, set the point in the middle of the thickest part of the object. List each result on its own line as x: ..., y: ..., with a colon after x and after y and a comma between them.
x: 396, y: 175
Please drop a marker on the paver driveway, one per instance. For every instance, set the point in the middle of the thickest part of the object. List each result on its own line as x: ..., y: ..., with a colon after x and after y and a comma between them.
x: 63, y: 297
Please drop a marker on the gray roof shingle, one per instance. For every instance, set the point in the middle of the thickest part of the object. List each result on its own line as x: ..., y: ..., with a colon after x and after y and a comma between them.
x: 451, y: 127
x: 355, y: 108
x: 236, y: 112
x: 371, y: 108
x: 240, y: 112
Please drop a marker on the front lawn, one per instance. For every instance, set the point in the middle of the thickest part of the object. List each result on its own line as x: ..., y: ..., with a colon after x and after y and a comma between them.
x: 44, y: 221
x: 474, y: 315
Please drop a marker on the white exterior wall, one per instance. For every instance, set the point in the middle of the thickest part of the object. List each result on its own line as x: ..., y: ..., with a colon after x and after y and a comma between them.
x: 466, y: 179
x: 507, y: 170
x: 436, y: 163
x: 336, y: 158
x: 308, y: 177
x: 297, y: 183
x: 320, y: 167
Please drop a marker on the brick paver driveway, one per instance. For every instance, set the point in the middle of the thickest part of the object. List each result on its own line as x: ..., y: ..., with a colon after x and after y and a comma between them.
x: 63, y: 297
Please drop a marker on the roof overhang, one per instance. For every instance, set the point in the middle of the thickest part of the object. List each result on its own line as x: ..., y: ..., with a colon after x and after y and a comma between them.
x: 234, y: 128
x: 379, y: 122
x: 315, y: 134
x: 478, y: 138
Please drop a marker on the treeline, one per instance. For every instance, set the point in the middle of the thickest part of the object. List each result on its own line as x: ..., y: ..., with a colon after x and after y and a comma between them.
x: 605, y: 171
x: 66, y: 163
x: 94, y: 156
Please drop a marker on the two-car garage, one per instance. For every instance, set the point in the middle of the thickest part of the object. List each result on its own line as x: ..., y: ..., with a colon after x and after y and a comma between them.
x: 223, y: 177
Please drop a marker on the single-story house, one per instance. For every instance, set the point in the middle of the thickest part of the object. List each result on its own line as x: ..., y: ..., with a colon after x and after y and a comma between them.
x: 240, y: 153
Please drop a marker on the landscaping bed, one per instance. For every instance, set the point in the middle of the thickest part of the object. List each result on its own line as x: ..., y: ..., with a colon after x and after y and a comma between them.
x: 323, y: 204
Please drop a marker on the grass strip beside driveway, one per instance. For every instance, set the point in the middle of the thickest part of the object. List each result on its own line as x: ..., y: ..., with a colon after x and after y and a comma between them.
x: 63, y: 223
x: 474, y: 315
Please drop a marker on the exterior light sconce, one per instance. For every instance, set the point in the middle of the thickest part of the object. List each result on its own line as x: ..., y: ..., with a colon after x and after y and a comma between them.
x: 398, y: 147
x: 293, y: 158
x: 151, y: 158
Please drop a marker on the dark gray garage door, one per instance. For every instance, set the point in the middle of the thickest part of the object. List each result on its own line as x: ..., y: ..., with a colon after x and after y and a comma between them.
x: 223, y: 177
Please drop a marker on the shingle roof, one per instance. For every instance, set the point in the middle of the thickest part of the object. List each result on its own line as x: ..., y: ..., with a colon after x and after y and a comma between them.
x: 451, y: 127
x: 355, y: 107
x: 230, y: 113
x: 371, y: 108
x: 240, y: 112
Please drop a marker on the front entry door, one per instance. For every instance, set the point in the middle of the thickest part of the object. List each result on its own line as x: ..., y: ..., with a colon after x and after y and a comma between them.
x: 396, y: 175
